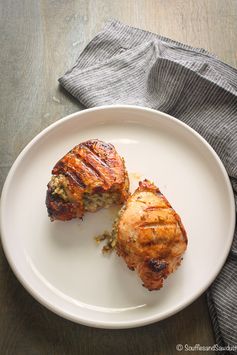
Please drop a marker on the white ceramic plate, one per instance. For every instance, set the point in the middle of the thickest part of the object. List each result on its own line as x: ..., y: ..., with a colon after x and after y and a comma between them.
x: 60, y: 264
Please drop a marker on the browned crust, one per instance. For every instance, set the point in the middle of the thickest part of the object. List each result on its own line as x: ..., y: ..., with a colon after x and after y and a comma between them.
x: 61, y: 210
x: 90, y: 167
x: 146, y: 185
x: 151, y: 245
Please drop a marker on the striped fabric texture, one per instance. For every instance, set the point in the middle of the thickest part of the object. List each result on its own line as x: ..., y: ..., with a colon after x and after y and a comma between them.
x: 126, y: 65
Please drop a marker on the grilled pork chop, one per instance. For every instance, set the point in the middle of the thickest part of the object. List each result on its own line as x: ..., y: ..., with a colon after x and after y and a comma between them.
x: 150, y: 235
x: 91, y: 176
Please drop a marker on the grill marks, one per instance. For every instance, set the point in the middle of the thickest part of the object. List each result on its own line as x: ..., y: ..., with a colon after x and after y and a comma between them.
x: 76, y: 178
x: 88, y: 167
x: 84, y: 166
x: 159, y: 227
x: 91, y: 167
x: 155, y: 234
x: 94, y: 163
x: 155, y: 208
x: 67, y: 167
x: 94, y: 158
x: 97, y: 155
x: 157, y: 224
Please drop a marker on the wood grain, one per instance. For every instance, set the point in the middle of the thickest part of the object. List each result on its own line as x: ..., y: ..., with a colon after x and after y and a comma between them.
x: 40, y: 40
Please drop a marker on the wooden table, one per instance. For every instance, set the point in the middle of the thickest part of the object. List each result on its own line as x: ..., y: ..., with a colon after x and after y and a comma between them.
x: 40, y: 40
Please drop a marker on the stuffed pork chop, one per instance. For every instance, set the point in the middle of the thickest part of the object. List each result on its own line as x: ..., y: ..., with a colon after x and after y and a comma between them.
x: 89, y: 177
x: 150, y: 235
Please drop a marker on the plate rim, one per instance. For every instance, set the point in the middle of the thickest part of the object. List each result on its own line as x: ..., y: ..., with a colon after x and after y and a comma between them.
x: 98, y: 323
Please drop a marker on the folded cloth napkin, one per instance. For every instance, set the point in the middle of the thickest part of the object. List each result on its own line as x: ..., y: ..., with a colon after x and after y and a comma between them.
x: 126, y: 65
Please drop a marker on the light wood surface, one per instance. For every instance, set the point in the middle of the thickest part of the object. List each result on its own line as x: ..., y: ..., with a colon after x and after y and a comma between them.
x: 39, y: 41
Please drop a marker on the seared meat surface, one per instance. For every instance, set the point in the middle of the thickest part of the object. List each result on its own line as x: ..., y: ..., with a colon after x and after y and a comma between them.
x: 91, y: 176
x: 150, y: 235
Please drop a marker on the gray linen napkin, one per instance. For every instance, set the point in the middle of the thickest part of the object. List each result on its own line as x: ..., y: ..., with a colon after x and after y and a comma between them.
x: 125, y: 65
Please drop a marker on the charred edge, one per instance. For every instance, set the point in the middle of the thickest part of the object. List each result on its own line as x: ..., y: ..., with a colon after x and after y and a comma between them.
x: 59, y: 168
x: 57, y: 207
x: 50, y: 197
x: 91, y: 143
x: 156, y: 265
